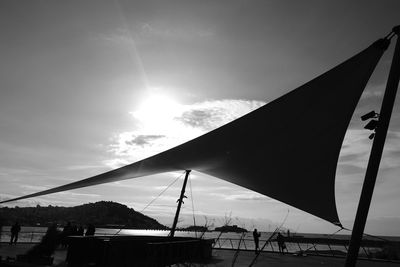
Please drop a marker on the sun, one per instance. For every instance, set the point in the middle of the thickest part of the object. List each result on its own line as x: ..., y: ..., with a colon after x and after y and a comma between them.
x: 157, y: 110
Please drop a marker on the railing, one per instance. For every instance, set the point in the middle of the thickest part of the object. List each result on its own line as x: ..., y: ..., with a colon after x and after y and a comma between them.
x: 321, y: 247
x: 30, y: 236
x: 332, y: 248
x: 23, y: 237
x: 228, y: 243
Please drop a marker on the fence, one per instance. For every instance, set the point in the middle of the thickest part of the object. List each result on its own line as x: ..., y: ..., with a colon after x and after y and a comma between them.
x: 23, y: 236
x: 291, y: 246
x: 311, y: 246
x: 370, y: 249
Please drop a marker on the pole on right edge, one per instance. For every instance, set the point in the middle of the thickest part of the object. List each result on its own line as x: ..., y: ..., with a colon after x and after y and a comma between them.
x: 376, y: 155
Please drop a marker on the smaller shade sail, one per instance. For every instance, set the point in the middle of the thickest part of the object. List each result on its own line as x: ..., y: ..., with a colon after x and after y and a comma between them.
x: 287, y: 149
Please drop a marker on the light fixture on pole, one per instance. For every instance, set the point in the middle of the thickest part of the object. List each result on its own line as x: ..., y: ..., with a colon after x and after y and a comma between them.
x: 369, y: 115
x: 372, y: 124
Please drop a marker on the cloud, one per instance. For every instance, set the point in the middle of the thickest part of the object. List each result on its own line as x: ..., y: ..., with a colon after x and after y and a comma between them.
x: 209, y: 115
x: 356, y: 150
x: 74, y: 194
x: 115, y: 163
x: 349, y: 157
x: 248, y: 196
x: 82, y: 167
x: 201, y: 118
x: 35, y: 187
x: 118, y: 36
x: 348, y: 169
x: 390, y: 157
x: 12, y: 171
x: 183, y: 32
x: 383, y: 225
x: 145, y: 33
x: 171, y: 124
x: 372, y: 94
x: 142, y: 140
x: 235, y: 194
x: 373, y: 91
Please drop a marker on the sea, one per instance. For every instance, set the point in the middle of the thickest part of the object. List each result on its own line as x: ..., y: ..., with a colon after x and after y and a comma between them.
x: 227, y: 240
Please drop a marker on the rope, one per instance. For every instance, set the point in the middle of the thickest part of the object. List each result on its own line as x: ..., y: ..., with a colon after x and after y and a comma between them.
x: 277, y: 229
x: 238, y: 249
x: 191, y: 197
x: 154, y: 199
x: 394, y: 31
x: 313, y: 246
x: 390, y: 36
x: 373, y: 236
x: 347, y: 229
x: 162, y: 192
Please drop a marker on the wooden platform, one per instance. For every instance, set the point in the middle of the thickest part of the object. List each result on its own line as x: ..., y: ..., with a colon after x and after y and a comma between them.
x: 222, y: 258
x: 117, y: 251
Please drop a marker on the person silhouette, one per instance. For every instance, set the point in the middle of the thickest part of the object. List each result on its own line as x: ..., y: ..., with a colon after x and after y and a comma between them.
x: 14, y: 233
x: 81, y: 231
x: 1, y: 225
x: 256, y: 236
x: 90, y: 230
x: 281, y: 243
x: 65, y: 233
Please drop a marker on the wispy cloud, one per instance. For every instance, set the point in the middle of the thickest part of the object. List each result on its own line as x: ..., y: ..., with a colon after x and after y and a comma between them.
x: 82, y: 167
x: 356, y: 148
x: 116, y: 163
x: 74, y: 194
x: 150, y: 31
x: 372, y: 94
x: 373, y: 91
x: 161, y: 128
x: 11, y: 171
x: 248, y: 196
x: 34, y: 187
x: 160, y: 29
x: 212, y: 114
x: 356, y: 151
x: 142, y: 140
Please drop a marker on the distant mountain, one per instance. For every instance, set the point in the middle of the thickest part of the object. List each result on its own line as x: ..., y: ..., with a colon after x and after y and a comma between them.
x: 101, y: 214
x: 194, y: 228
x: 230, y: 228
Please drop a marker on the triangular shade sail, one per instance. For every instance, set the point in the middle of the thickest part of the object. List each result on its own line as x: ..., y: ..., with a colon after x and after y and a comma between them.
x: 287, y: 149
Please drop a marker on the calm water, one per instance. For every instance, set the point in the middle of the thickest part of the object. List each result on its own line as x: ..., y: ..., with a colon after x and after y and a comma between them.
x: 225, y: 240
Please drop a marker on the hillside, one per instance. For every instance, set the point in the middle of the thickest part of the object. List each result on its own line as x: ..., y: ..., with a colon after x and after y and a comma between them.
x: 230, y: 228
x: 100, y: 214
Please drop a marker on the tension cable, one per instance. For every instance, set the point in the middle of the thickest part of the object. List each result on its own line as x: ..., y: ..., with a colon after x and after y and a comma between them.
x: 162, y: 192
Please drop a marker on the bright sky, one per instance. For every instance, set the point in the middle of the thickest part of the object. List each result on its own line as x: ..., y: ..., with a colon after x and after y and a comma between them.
x: 88, y: 86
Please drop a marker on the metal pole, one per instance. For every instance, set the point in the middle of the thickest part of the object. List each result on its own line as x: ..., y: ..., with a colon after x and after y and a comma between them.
x: 375, y: 156
x: 180, y: 201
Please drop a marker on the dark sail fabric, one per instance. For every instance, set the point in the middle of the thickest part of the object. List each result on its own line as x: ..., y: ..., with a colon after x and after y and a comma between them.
x: 287, y: 150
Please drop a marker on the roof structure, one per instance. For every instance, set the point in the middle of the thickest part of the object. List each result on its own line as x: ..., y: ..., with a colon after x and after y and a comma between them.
x: 287, y: 149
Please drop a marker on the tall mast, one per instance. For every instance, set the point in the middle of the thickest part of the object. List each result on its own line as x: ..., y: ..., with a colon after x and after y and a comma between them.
x: 180, y: 201
x: 376, y: 153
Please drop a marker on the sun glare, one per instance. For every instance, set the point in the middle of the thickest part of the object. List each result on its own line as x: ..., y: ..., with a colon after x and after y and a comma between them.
x: 157, y: 110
